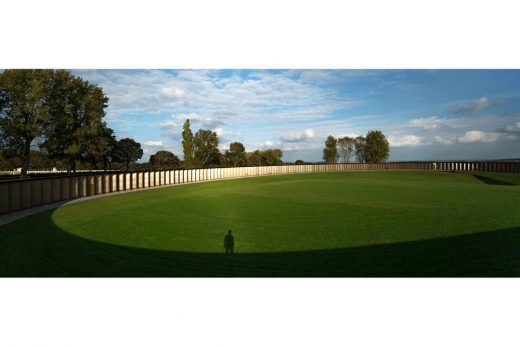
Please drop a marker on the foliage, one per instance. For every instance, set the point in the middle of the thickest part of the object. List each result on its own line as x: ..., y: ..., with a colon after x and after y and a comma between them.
x: 299, y: 162
x: 187, y: 144
x: 330, y: 152
x: 377, y: 147
x: 272, y: 157
x: 164, y: 160
x: 254, y: 158
x: 360, y: 148
x: 236, y: 155
x: 24, y: 105
x: 127, y: 151
x: 75, y: 130
x: 205, y: 148
x: 346, y: 148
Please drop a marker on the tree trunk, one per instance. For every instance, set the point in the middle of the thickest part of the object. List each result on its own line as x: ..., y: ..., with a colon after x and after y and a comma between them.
x: 27, y: 157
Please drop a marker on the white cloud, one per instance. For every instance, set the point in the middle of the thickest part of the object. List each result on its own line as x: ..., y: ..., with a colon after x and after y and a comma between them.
x: 404, y: 140
x: 269, y: 143
x: 478, y: 136
x: 297, y: 136
x: 261, y: 95
x: 206, y: 122
x: 514, y: 127
x: 429, y: 122
x: 154, y: 143
x: 172, y: 92
x: 473, y: 106
x: 168, y: 124
x: 443, y: 140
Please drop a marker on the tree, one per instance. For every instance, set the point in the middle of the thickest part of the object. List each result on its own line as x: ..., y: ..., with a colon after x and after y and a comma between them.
x: 75, y: 130
x: 205, y: 148
x: 164, y: 159
x: 254, y: 158
x: 187, y: 144
x: 236, y: 155
x: 360, y: 146
x: 377, y: 147
x: 299, y: 162
x: 330, y: 152
x: 272, y: 157
x: 23, y: 111
x: 127, y: 151
x: 346, y: 148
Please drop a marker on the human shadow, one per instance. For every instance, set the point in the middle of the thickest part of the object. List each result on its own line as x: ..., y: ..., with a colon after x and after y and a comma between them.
x: 45, y: 250
x: 229, y: 243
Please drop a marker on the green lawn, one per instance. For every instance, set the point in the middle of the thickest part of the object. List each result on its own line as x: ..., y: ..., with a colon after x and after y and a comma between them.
x: 384, y: 223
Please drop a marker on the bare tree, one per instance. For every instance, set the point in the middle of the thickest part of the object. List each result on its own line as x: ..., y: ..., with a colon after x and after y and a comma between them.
x: 346, y: 148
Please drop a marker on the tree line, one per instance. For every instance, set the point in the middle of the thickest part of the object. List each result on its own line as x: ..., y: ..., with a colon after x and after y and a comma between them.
x: 201, y: 150
x: 53, y: 118
x: 63, y: 116
x: 372, y: 148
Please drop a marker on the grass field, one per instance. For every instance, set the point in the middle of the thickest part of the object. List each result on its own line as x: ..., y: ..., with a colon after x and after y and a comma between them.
x: 385, y: 223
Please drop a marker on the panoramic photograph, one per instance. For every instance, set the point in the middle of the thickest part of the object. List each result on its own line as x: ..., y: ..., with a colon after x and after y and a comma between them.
x: 259, y: 173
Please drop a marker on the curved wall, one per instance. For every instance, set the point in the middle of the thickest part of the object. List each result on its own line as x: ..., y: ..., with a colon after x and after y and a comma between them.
x: 26, y: 193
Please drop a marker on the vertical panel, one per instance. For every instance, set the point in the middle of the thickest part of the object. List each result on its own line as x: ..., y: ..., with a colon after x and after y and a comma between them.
x: 56, y: 189
x: 5, y: 205
x: 46, y: 191
x: 91, y: 186
x: 133, y: 177
x: 82, y: 181
x: 65, y: 188
x: 36, y: 193
x: 15, y: 192
x: 26, y: 198
x: 99, y: 184
x: 106, y: 183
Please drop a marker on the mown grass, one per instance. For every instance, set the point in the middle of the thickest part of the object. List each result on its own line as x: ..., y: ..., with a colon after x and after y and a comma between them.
x: 385, y: 223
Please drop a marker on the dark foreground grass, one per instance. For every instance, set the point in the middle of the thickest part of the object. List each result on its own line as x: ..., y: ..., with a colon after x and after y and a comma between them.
x: 386, y: 223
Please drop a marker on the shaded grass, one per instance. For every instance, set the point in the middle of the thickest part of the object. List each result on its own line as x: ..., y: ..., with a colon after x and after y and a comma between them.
x: 331, y: 224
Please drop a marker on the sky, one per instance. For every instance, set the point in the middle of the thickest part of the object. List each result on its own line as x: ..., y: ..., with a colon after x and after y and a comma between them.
x: 425, y: 114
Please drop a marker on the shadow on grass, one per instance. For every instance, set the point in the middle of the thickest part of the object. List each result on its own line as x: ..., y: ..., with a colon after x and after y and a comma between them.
x: 492, y: 181
x: 48, y: 251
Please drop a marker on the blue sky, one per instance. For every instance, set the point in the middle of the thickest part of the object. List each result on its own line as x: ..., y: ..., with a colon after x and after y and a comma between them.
x: 425, y: 114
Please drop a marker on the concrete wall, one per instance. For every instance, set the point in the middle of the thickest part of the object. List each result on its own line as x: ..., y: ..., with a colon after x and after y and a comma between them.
x: 19, y: 194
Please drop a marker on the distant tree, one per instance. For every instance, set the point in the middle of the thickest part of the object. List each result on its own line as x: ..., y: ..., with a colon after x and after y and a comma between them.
x: 205, y: 148
x: 360, y: 146
x: 109, y: 144
x: 299, y: 162
x: 164, y: 160
x: 23, y: 111
x: 254, y: 158
x: 127, y: 151
x: 272, y: 157
x: 377, y: 147
x: 187, y: 144
x: 346, y: 148
x: 236, y: 155
x: 330, y: 152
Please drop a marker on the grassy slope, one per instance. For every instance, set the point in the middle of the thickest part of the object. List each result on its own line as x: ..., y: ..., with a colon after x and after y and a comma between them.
x: 335, y: 224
